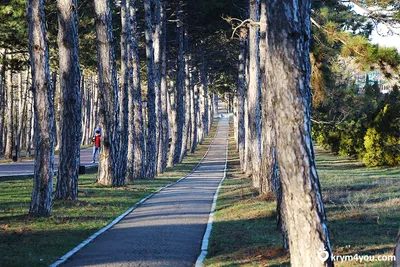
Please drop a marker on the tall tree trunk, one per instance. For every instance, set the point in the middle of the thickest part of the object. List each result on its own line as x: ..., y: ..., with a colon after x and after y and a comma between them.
x: 136, y: 142
x: 83, y: 94
x: 71, y: 105
x: 157, y: 36
x: 204, y: 92
x: 10, y: 116
x: 186, y: 99
x: 2, y: 100
x: 210, y: 110
x: 180, y: 87
x: 163, y: 147
x: 151, y: 149
x: 57, y: 104
x: 200, y: 112
x: 22, y: 109
x: 29, y: 117
x: 125, y: 76
x: 173, y: 115
x: 108, y: 96
x: 288, y: 78
x: 241, y: 96
x: 194, y: 107
x: 268, y: 163
x: 43, y: 110
x: 253, y: 97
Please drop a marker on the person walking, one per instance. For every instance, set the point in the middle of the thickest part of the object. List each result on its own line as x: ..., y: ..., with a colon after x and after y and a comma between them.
x: 96, y: 144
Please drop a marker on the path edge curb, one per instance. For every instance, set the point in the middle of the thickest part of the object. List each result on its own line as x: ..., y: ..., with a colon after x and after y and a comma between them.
x: 66, y: 256
x: 206, y: 237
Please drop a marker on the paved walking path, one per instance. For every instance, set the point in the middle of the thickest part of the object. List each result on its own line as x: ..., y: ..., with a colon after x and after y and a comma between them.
x: 167, y: 229
x: 26, y: 167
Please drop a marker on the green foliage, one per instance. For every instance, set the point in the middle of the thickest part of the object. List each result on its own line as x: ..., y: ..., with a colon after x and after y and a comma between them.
x: 370, y: 131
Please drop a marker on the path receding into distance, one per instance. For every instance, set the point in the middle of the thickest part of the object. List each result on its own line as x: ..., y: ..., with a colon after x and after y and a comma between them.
x: 167, y: 229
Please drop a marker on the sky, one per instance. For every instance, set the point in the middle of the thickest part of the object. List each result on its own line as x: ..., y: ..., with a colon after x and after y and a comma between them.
x: 375, y: 38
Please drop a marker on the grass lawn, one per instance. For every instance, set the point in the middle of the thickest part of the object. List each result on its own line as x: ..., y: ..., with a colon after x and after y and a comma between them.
x: 30, y: 241
x: 363, y: 210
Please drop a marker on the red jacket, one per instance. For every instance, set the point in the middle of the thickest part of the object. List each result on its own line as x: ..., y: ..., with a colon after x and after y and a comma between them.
x: 96, y: 140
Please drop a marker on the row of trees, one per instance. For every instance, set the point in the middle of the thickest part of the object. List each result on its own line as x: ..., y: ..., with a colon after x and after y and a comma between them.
x: 280, y: 59
x: 144, y: 130
x: 272, y: 122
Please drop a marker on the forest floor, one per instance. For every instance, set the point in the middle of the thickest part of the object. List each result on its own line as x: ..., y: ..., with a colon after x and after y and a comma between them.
x: 30, y: 241
x: 362, y: 205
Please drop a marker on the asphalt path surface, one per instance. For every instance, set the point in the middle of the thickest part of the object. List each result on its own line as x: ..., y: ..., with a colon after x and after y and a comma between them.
x: 26, y: 167
x: 168, y: 228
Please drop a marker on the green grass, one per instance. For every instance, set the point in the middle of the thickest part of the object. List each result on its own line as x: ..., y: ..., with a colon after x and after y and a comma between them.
x: 31, y: 241
x: 363, y: 210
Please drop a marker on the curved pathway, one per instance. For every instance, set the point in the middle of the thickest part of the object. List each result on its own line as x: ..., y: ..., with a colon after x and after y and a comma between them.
x: 167, y: 229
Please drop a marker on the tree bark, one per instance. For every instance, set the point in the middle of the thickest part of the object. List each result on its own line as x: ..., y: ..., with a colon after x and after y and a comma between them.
x: 125, y: 76
x: 180, y: 87
x: 194, y: 107
x: 163, y: 147
x: 173, y: 115
x: 22, y: 110
x: 2, y: 99
x: 10, y: 116
x: 157, y: 36
x: 200, y: 115
x: 288, y: 78
x: 151, y: 149
x: 186, y: 99
x: 29, y: 117
x: 204, y: 87
x: 71, y: 101
x: 253, y: 97
x: 136, y: 155
x: 268, y: 171
x: 108, y: 96
x: 43, y: 110
x: 241, y: 96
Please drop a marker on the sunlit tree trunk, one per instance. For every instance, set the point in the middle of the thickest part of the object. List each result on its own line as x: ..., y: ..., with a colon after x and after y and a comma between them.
x: 157, y: 38
x: 163, y: 147
x: 22, y: 109
x: 108, y: 95
x: 172, y: 105
x: 186, y: 99
x: 9, y: 116
x: 194, y: 105
x: 124, y: 86
x: 241, y: 96
x: 268, y: 171
x: 136, y: 157
x: 29, y: 118
x: 70, y: 94
x: 43, y: 110
x: 253, y: 97
x: 151, y: 149
x: 288, y: 78
x: 200, y: 111
x: 204, y: 95
x: 180, y: 91
x: 2, y: 99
